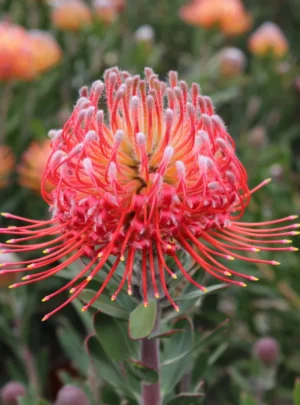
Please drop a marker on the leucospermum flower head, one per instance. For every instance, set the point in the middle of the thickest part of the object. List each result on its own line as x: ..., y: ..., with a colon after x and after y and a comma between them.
x: 33, y: 164
x: 71, y: 15
x: 106, y: 10
x: 149, y: 180
x: 229, y: 16
x: 268, y: 38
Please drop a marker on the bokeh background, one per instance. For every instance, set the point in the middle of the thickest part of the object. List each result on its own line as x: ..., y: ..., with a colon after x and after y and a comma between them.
x: 246, y: 57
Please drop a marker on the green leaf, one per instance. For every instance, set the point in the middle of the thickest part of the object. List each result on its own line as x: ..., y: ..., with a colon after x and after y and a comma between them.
x: 247, y: 400
x: 297, y: 392
x: 73, y: 346
x: 186, y: 399
x: 199, y: 293
x: 142, y: 320
x: 141, y: 372
x: 104, y: 304
x: 105, y: 368
x: 166, y: 335
x: 113, y: 336
x: 176, y: 355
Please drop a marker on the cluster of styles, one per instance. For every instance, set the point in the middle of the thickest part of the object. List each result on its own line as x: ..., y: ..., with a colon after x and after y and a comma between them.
x: 152, y: 178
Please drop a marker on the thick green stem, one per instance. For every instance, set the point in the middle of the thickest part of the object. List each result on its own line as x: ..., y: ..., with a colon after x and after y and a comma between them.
x: 150, y: 357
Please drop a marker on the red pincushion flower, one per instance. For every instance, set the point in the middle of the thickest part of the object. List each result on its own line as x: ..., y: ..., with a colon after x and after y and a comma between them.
x: 153, y: 176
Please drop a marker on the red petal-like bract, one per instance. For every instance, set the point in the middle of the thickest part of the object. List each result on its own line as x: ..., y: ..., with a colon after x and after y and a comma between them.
x: 150, y: 176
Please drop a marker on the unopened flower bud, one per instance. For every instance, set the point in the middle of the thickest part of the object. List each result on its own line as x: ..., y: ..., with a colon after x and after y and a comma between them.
x: 232, y: 62
x: 71, y: 395
x: 11, y: 392
x: 257, y: 137
x: 268, y: 38
x: 145, y: 34
x: 276, y: 172
x: 267, y: 350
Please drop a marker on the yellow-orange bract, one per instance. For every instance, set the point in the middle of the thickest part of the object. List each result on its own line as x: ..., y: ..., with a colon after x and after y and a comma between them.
x: 33, y: 165
x: 7, y: 162
x: 16, y: 53
x: 71, y: 15
x: 268, y: 38
x: 46, y: 50
x: 229, y: 16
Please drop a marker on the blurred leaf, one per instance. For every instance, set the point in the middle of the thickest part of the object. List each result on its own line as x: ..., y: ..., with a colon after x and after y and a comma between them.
x: 105, y: 367
x: 186, y: 399
x: 297, y: 392
x: 141, y: 372
x: 176, y: 356
x: 142, y: 320
x: 73, y: 346
x: 247, y: 400
x: 104, y: 304
x: 113, y: 336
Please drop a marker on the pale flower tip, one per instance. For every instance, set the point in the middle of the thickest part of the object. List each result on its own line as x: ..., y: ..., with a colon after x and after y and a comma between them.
x: 45, y: 298
x: 89, y: 278
x: 83, y: 309
x: 177, y: 309
x: 255, y: 250
x: 243, y: 285
x: 156, y: 295
x: 25, y: 278
x: 129, y: 291
x: 227, y: 273
x: 145, y: 304
x: 46, y: 317
x: 286, y: 241
x: 46, y: 251
x: 113, y: 298
x: 10, y: 241
x: 229, y: 258
x: 204, y: 289
x: 122, y: 258
x: 254, y: 278
x: 100, y: 254
x: 174, y: 276
x: 296, y: 226
x: 294, y: 249
x: 12, y: 286
x: 296, y: 233
x: 4, y: 214
x: 274, y: 263
x: 292, y: 217
x: 267, y: 181
x: 29, y: 266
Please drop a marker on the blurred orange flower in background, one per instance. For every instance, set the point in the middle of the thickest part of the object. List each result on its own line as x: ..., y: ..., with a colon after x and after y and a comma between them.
x: 229, y: 16
x: 47, y: 52
x: 7, y: 163
x: 268, y: 38
x: 71, y: 15
x: 106, y: 10
x: 32, y: 166
x: 16, y: 53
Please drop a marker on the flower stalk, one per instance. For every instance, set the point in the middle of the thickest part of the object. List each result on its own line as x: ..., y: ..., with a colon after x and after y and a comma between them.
x: 150, y: 357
